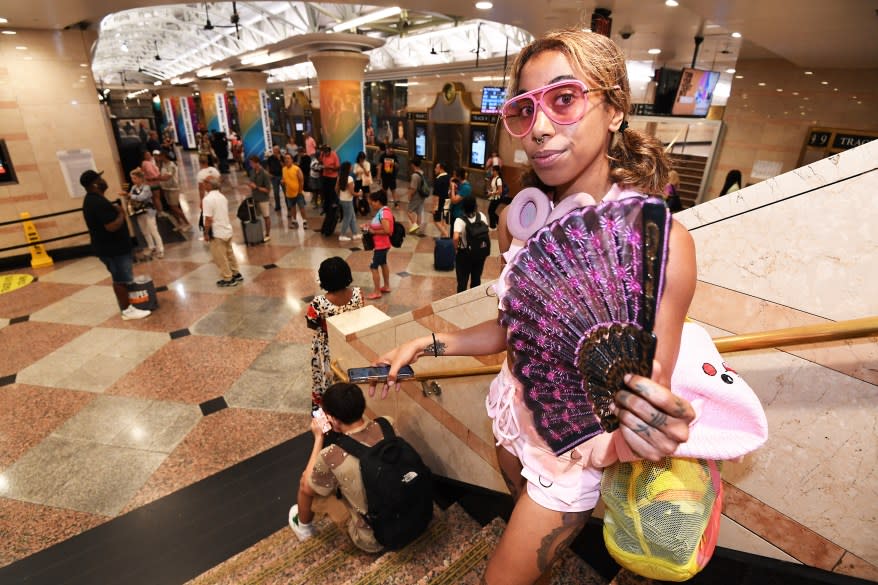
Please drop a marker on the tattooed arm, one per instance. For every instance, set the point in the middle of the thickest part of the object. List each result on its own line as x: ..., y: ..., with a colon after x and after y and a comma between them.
x: 484, y: 339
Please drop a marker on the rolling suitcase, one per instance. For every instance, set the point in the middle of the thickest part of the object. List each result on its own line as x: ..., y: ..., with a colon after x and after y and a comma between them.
x: 443, y: 254
x: 253, y: 232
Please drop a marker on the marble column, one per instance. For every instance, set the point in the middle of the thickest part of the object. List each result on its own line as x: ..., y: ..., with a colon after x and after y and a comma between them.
x: 251, y: 101
x: 340, y: 74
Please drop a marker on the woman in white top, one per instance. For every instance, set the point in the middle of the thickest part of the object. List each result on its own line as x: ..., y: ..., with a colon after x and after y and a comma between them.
x: 362, y: 183
x: 345, y: 189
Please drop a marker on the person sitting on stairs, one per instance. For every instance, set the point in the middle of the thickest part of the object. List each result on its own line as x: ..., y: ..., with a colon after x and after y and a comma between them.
x: 331, y: 468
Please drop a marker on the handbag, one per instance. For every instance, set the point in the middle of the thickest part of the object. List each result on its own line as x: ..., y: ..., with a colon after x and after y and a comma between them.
x: 662, y: 519
x: 368, y: 241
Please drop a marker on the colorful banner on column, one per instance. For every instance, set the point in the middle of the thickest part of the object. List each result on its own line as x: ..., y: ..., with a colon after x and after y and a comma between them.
x: 216, y: 112
x: 341, y: 116
x: 187, y: 140
x: 170, y: 121
x: 254, y: 121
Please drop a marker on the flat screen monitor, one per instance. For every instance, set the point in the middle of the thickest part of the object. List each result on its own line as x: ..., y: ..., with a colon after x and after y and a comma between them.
x: 492, y: 99
x: 695, y: 92
x: 666, y: 83
x: 300, y: 127
x: 420, y: 140
x: 478, y: 147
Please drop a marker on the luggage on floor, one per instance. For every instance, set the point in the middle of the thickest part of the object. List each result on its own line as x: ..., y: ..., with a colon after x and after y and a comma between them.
x: 443, y: 254
x: 253, y: 232
x: 330, y: 220
x: 247, y: 210
x: 141, y: 293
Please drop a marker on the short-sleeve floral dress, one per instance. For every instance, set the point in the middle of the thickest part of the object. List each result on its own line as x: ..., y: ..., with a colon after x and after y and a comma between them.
x: 318, y: 312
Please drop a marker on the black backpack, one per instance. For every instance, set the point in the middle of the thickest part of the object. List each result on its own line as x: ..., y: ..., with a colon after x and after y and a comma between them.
x: 478, y: 238
x: 398, y: 485
x: 398, y: 234
x: 423, y: 188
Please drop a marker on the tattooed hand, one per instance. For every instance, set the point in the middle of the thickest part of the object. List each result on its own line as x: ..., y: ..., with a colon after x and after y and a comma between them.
x: 652, y: 420
x: 405, y: 354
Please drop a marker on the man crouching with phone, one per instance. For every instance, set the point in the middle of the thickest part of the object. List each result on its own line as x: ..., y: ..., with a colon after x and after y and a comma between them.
x: 330, y: 468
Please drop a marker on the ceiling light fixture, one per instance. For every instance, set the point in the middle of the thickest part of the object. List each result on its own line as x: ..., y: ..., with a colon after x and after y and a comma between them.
x: 671, y: 3
x: 654, y: 51
x: 21, y: 48
x: 9, y: 32
x: 736, y: 35
x: 3, y: 20
x: 484, y: 5
x: 730, y: 70
x: 367, y: 18
x: 809, y: 73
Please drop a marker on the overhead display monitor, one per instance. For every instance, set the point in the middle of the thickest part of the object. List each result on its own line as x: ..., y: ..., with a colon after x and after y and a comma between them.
x: 478, y: 146
x: 695, y: 92
x: 421, y: 140
x: 492, y: 99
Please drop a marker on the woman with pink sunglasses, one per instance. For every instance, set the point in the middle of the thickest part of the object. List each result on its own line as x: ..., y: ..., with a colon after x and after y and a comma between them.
x: 569, y: 100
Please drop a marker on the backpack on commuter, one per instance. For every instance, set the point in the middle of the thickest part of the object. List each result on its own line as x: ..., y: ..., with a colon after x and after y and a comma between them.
x: 423, y: 188
x: 398, y: 235
x: 398, y: 486
x: 478, y: 237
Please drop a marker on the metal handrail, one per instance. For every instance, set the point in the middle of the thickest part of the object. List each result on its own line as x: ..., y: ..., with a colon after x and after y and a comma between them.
x: 852, y: 329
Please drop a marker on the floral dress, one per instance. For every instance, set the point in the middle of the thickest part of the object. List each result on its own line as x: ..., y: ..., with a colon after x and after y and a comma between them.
x: 319, y: 310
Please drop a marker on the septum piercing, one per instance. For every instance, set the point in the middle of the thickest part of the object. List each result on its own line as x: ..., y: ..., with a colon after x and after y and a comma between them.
x: 540, y: 140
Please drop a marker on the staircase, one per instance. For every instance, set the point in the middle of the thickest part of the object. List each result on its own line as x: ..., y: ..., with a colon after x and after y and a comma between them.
x: 453, y: 551
x: 691, y: 169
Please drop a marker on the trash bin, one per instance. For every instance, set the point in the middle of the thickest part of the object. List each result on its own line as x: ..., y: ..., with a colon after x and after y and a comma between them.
x: 141, y: 293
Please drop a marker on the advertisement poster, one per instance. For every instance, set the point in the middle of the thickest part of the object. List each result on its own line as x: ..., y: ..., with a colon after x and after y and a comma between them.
x: 341, y: 116
x: 208, y: 105
x: 222, y: 112
x: 250, y: 117
x: 187, y: 139
x: 170, y: 118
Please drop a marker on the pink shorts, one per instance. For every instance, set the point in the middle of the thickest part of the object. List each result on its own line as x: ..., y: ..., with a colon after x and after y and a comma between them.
x: 561, y: 483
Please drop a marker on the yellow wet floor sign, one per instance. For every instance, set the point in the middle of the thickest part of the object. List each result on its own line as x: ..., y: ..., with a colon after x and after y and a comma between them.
x: 11, y: 282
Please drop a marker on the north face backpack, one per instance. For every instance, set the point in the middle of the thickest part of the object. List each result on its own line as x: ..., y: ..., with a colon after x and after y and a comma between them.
x: 478, y: 239
x: 398, y: 485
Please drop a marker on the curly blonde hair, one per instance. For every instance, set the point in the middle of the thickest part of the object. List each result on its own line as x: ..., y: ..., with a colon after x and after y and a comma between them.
x: 637, y: 161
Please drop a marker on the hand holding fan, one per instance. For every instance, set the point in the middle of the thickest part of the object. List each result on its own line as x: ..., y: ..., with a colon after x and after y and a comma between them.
x: 579, y: 311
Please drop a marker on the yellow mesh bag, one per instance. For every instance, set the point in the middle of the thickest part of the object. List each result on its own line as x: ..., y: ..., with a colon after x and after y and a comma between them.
x: 662, y: 519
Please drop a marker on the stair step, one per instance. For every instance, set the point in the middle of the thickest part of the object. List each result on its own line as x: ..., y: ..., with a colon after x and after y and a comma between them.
x: 448, y: 532
x: 468, y: 563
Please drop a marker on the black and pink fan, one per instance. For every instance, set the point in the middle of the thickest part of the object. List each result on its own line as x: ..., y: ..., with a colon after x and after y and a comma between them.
x: 579, y: 311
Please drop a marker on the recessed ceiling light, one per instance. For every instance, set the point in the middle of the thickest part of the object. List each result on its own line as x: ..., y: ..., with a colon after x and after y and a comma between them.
x: 730, y: 70
x: 21, y: 48
x: 3, y: 20
x: 761, y: 84
x: 809, y: 73
x: 795, y: 93
x: 8, y: 32
x: 83, y: 64
x: 834, y: 89
x: 484, y: 5
x: 654, y: 51
x: 779, y: 90
x: 739, y: 77
x: 736, y: 35
x: 671, y: 3
x: 824, y: 83
x: 711, y: 26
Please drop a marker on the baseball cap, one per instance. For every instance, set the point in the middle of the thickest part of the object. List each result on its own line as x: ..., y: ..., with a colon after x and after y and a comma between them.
x: 89, y: 177
x: 156, y: 152
x: 203, y: 174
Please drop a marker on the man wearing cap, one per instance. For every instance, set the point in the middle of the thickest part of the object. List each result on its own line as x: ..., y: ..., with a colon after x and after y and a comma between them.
x: 110, y: 240
x: 218, y: 227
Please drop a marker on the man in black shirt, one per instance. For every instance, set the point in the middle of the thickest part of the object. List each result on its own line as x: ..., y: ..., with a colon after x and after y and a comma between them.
x: 441, y: 188
x: 110, y: 239
x: 275, y: 164
x: 389, y: 165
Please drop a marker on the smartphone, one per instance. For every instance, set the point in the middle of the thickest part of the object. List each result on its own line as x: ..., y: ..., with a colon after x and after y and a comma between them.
x: 321, y: 416
x: 377, y: 374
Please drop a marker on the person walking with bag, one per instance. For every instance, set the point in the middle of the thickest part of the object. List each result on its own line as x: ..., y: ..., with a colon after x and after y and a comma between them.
x: 380, y: 228
x: 473, y: 244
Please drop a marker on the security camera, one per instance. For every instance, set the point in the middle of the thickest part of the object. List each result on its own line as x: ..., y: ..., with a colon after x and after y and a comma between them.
x: 626, y: 34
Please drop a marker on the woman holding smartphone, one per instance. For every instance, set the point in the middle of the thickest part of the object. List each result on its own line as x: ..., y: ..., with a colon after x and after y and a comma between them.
x: 569, y: 100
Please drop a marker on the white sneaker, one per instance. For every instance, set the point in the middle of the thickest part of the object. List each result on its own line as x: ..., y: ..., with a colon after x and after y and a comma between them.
x: 303, y: 531
x: 133, y: 312
x: 358, y: 236
x: 344, y: 239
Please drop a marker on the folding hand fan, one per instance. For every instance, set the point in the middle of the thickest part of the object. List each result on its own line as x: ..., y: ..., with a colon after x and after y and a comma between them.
x: 579, y: 311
